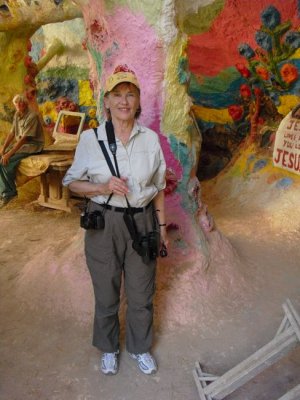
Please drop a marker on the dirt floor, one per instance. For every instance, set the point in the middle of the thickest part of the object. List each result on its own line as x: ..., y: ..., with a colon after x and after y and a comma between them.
x: 218, y: 316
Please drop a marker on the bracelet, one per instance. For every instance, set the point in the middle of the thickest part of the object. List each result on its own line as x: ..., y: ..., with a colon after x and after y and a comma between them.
x: 162, y: 225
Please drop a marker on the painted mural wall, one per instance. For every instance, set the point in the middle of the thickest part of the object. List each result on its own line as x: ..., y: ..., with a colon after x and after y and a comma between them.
x: 246, y: 78
x: 217, y: 77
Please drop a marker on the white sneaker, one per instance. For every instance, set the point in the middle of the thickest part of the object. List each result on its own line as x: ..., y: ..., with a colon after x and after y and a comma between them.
x: 109, y: 363
x: 146, y: 362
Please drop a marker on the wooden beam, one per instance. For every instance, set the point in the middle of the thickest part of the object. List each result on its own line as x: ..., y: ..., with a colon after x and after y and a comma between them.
x: 249, y: 368
x: 287, y: 337
x: 293, y: 394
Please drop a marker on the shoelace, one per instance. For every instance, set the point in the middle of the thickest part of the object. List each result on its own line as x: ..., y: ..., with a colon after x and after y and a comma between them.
x: 145, y: 357
x: 110, y: 358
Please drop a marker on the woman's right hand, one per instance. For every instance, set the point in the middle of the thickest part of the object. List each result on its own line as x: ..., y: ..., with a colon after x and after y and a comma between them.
x: 116, y: 186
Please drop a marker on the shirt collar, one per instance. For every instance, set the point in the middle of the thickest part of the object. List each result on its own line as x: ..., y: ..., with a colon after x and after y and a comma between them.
x: 137, y: 128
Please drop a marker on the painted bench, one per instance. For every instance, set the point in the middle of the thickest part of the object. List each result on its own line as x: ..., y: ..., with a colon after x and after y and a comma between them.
x: 50, y: 168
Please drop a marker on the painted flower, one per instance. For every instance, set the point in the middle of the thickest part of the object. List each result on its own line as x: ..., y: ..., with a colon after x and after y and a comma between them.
x: 243, y: 70
x: 29, y: 45
x: 275, y: 98
x: 257, y: 91
x: 32, y: 69
x: 47, y: 120
x: 293, y: 39
x: 260, y: 120
x: 263, y: 40
x: 30, y: 93
x: 92, y: 112
x: 270, y: 17
x: 93, y: 123
x: 84, y: 44
x: 123, y: 68
x: 27, y: 61
x: 246, y: 51
x: 236, y: 112
x: 263, y: 73
x: 245, y: 91
x: 28, y: 80
x: 289, y: 73
x: 72, y: 106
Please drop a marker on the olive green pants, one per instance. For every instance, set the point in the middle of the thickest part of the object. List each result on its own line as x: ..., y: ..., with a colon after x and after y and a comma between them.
x: 109, y: 256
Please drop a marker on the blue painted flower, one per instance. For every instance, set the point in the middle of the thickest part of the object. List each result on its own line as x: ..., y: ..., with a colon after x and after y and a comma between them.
x: 284, y: 183
x: 47, y: 120
x: 275, y: 98
x: 246, y: 51
x: 259, y: 164
x: 293, y: 39
x: 263, y: 40
x: 270, y: 17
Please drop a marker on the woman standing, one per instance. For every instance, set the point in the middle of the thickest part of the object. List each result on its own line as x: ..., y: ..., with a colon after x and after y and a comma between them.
x: 137, y: 192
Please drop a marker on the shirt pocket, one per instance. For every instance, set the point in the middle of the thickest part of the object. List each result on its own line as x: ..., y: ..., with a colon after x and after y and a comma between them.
x: 144, y: 166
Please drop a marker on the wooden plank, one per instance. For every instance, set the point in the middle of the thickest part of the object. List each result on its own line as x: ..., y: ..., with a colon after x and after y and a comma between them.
x: 286, y: 338
x: 254, y: 364
x: 198, y: 373
x: 293, y: 394
x: 201, y: 393
x: 293, y: 318
x: 284, y: 324
x: 296, y: 315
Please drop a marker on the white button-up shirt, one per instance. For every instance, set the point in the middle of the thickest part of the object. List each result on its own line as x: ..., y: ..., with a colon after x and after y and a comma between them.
x: 141, y: 161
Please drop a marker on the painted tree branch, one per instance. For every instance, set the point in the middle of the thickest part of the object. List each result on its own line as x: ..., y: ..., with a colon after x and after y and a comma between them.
x: 29, y: 15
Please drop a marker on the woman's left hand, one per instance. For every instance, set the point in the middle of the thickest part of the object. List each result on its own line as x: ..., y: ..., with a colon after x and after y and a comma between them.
x: 164, y: 241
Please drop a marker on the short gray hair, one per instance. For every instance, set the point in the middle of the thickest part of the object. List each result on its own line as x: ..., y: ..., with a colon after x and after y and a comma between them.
x: 20, y: 98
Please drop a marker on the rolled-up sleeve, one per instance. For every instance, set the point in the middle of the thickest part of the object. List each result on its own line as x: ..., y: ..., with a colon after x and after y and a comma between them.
x: 159, y: 178
x: 79, y: 167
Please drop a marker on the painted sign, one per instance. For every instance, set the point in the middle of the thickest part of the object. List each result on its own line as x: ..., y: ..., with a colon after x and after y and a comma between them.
x: 286, y: 153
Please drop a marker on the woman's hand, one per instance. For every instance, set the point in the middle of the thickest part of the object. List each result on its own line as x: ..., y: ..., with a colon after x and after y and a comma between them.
x: 164, y: 241
x: 89, y: 189
x: 116, y: 186
x: 5, y: 159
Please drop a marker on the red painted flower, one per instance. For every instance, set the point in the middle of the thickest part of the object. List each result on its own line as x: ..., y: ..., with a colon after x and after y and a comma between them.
x: 245, y: 91
x: 29, y: 45
x: 263, y: 73
x: 258, y: 92
x: 27, y: 61
x: 171, y: 182
x: 236, y: 112
x: 289, y: 73
x: 123, y: 68
x: 29, y: 80
x: 260, y: 120
x: 243, y: 70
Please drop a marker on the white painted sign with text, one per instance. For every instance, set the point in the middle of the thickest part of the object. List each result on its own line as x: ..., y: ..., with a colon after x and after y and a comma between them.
x: 286, y: 152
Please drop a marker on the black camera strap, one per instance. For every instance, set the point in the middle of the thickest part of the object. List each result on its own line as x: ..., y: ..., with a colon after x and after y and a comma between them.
x: 128, y: 218
x: 108, y: 160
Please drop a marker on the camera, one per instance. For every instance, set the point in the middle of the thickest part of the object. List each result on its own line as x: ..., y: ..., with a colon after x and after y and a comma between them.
x: 92, y: 220
x: 148, y: 246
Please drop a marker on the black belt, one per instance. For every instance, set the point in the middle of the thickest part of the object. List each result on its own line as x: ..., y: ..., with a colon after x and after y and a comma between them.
x: 135, y: 210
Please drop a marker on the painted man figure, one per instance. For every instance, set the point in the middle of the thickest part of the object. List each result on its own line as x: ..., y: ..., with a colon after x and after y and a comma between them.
x: 25, y: 138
